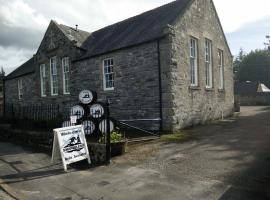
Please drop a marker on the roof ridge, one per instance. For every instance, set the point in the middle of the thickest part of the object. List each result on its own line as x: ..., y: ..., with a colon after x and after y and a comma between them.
x: 135, y: 16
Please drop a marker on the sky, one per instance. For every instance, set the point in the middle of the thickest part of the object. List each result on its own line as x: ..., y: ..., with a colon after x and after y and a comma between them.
x: 24, y: 22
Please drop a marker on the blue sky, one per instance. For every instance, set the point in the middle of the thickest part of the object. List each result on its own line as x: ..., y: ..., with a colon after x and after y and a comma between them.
x: 24, y: 22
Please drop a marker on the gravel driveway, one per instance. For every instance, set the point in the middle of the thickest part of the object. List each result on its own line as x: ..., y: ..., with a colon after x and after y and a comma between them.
x: 226, y: 160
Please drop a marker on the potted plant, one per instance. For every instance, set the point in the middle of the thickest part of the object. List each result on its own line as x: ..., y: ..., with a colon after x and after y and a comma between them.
x: 118, y: 143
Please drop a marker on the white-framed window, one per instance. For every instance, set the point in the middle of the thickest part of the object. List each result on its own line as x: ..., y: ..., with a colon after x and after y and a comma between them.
x: 108, y: 74
x: 54, y: 78
x: 208, y: 64
x: 43, y: 80
x: 193, y: 61
x: 221, y: 69
x: 20, y: 89
x: 66, y: 75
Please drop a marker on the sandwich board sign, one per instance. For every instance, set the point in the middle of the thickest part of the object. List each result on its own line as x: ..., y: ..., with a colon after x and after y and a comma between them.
x: 70, y: 144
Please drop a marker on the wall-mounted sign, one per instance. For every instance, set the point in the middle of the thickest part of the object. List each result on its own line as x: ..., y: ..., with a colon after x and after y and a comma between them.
x: 77, y: 111
x: 96, y: 111
x: 86, y: 96
x: 89, y: 127
x: 103, y: 126
x: 71, y: 144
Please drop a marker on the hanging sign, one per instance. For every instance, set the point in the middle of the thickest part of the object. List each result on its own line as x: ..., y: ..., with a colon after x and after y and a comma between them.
x: 71, y: 144
x: 103, y: 126
x: 86, y: 96
x: 96, y: 111
x: 77, y: 111
x: 89, y: 127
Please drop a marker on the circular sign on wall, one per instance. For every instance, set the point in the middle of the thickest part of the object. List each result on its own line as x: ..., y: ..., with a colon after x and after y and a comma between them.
x: 77, y: 111
x: 96, y: 111
x: 103, y: 126
x: 89, y: 127
x: 86, y: 96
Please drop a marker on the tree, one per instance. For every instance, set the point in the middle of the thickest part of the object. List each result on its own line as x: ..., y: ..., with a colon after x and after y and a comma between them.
x: 255, y: 67
x: 237, y: 61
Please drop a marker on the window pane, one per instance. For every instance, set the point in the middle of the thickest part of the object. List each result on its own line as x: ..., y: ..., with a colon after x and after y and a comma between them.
x: 108, y: 73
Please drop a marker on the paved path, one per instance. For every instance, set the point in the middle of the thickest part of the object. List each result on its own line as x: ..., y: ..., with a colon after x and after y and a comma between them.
x: 226, y: 160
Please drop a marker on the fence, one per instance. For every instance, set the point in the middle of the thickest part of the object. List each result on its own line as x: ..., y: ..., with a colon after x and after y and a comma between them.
x: 32, y: 112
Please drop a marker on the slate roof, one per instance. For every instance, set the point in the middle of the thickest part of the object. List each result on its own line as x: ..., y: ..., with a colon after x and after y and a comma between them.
x: 72, y: 34
x: 142, y: 28
x: 26, y: 68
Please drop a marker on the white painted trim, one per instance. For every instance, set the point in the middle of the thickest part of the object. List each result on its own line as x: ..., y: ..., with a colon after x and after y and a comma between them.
x: 63, y: 75
x: 51, y: 80
x: 41, y: 80
x: 20, y: 88
x: 104, y: 78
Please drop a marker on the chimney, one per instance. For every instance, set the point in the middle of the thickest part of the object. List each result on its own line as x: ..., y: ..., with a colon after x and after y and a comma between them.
x: 76, y: 27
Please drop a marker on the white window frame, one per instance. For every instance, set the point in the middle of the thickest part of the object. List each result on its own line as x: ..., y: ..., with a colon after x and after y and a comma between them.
x: 208, y: 64
x: 110, y: 65
x: 66, y: 75
x: 43, y: 77
x: 193, y: 46
x: 20, y: 89
x: 221, y: 69
x: 54, y: 83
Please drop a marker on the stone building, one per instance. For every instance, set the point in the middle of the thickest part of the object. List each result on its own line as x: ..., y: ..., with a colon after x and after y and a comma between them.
x: 45, y: 78
x: 172, y: 63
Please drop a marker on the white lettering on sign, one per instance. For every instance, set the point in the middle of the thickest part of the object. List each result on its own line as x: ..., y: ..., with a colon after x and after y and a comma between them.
x: 72, y: 145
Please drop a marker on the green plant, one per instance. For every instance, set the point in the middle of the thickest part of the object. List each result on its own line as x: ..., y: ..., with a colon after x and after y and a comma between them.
x: 116, y: 137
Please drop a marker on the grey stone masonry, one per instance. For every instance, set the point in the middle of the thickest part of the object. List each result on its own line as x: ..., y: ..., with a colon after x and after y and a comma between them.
x: 185, y: 105
x: 152, y: 78
x: 54, y: 44
x: 136, y: 93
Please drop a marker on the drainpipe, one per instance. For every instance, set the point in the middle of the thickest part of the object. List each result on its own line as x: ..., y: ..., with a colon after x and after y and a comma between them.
x: 160, y: 88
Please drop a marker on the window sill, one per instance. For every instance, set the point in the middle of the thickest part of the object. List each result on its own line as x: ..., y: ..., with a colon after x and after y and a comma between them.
x: 194, y: 88
x: 209, y: 89
x: 221, y: 90
x: 108, y: 89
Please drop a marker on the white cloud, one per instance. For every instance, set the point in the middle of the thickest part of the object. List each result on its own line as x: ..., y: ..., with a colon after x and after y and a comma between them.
x: 234, y: 14
x: 11, y: 58
x: 17, y: 13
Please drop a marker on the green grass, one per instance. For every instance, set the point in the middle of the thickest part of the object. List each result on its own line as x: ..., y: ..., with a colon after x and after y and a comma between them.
x: 178, y: 137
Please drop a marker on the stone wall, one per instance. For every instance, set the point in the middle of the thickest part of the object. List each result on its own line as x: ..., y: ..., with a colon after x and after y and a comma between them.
x: 31, y: 82
x: 259, y: 99
x: 191, y: 106
x: 136, y: 93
